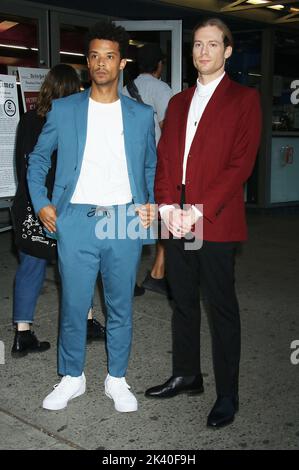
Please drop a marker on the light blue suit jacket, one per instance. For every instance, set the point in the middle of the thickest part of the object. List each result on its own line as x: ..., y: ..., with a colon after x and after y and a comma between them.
x: 65, y: 131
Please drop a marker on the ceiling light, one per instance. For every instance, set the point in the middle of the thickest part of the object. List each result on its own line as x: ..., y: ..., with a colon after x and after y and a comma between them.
x: 72, y: 53
x: 257, y: 2
x: 134, y: 42
x: 5, y: 25
x: 13, y: 47
x: 277, y: 7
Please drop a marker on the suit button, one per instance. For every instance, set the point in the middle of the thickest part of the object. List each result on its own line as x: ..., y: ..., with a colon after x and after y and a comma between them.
x: 219, y: 211
x: 75, y: 168
x: 178, y: 187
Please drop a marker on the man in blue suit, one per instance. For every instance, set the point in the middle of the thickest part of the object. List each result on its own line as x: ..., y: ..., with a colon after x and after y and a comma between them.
x: 101, y: 208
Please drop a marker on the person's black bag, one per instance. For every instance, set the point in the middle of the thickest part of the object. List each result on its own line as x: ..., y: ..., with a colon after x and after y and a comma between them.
x: 134, y: 92
x: 28, y: 230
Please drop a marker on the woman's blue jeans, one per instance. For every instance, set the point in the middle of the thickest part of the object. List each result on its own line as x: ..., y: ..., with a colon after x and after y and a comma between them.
x: 29, y: 280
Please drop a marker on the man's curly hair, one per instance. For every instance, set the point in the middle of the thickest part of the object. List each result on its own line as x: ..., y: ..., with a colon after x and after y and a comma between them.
x: 109, y: 31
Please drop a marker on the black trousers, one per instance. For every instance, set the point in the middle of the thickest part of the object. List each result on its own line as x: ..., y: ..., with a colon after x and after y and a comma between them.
x: 211, y: 267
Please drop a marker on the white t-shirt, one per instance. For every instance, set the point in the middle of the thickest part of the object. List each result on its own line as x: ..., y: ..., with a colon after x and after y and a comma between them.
x: 103, y: 179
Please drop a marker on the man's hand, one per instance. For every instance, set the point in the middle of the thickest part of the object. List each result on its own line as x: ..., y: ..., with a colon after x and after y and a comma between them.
x: 178, y: 221
x: 147, y: 214
x: 48, y: 217
x: 190, y: 218
x: 174, y: 220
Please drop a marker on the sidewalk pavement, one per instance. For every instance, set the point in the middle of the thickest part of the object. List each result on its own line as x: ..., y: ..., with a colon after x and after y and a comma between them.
x: 267, y: 274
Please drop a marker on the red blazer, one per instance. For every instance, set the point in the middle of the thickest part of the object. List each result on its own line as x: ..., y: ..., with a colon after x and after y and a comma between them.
x: 221, y: 157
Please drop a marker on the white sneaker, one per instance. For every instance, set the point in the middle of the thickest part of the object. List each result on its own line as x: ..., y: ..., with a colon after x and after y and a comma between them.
x: 67, y: 389
x: 118, y: 390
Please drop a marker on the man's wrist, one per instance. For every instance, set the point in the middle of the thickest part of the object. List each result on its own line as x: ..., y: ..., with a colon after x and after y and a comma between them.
x: 166, y: 208
x: 196, y: 212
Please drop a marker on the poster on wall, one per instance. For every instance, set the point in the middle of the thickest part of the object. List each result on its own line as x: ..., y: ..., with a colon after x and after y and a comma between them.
x: 9, y: 118
x: 30, y: 81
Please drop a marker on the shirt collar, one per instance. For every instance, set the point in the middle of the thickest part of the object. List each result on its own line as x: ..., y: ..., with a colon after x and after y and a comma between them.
x: 206, y: 90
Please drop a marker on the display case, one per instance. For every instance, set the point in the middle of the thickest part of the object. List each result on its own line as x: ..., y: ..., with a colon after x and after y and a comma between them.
x: 284, y: 186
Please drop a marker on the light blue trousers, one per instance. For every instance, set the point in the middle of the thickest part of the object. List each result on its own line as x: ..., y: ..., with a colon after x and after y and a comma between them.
x: 83, y: 252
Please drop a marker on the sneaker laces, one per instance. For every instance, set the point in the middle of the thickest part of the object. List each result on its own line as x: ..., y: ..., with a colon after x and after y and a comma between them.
x: 57, y: 385
x: 62, y: 381
x: 120, y: 383
x: 126, y: 384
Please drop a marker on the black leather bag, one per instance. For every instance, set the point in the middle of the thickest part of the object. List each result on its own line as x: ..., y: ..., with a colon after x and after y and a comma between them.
x: 29, y: 233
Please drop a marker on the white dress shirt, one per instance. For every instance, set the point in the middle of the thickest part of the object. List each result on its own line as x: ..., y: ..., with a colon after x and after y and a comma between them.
x: 200, y: 99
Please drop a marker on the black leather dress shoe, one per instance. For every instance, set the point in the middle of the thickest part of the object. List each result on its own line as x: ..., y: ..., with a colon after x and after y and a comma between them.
x: 26, y: 342
x: 138, y: 290
x: 95, y: 331
x: 192, y: 385
x: 155, y: 285
x: 223, y: 412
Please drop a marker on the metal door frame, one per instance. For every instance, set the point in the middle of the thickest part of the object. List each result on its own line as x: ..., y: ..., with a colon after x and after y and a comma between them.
x: 175, y: 27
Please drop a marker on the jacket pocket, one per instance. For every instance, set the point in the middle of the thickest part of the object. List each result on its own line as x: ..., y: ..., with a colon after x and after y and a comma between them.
x: 58, y: 191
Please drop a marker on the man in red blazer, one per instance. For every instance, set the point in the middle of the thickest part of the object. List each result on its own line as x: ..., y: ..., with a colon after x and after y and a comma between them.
x: 207, y: 151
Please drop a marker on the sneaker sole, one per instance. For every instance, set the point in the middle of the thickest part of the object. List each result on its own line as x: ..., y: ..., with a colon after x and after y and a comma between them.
x: 80, y: 392
x: 118, y: 408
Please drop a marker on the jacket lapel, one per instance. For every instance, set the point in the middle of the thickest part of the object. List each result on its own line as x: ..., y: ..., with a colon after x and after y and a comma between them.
x: 129, y: 123
x: 184, y: 118
x: 215, y: 104
x: 81, y: 114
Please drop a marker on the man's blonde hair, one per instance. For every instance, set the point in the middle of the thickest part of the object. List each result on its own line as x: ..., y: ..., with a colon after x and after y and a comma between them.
x: 227, y: 34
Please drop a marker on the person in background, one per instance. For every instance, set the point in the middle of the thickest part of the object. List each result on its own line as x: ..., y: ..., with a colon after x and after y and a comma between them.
x: 206, y: 153
x: 35, y: 249
x: 150, y: 89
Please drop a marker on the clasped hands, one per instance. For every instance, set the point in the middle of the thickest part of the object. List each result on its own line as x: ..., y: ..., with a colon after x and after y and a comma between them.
x: 178, y: 221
